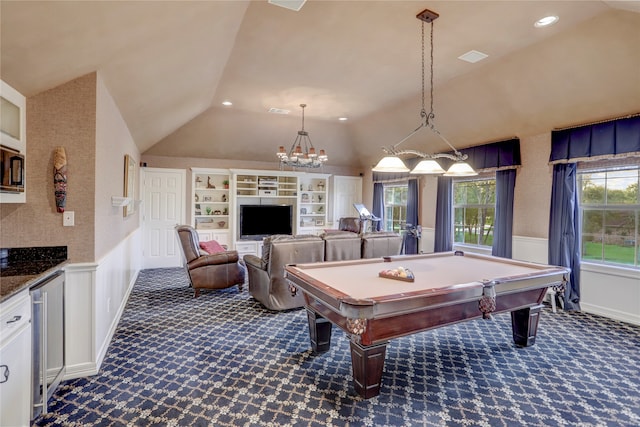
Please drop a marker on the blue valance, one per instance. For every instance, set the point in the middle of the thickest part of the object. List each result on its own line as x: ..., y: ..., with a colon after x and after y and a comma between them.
x: 491, y: 157
x: 616, y: 138
x: 494, y: 156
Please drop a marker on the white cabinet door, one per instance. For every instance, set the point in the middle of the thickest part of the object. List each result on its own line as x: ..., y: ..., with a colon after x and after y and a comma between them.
x: 13, y: 132
x: 15, y: 375
x: 164, y: 208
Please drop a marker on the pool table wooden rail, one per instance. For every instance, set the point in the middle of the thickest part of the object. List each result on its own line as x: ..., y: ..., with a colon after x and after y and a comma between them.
x: 425, y: 304
x: 407, y: 302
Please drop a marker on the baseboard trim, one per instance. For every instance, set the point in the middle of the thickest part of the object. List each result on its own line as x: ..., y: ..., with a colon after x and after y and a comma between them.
x: 80, y: 370
x: 609, y: 313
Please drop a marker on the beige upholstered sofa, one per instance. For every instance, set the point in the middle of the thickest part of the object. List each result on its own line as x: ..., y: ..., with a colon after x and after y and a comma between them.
x: 342, y: 245
x: 266, y: 274
x: 377, y: 244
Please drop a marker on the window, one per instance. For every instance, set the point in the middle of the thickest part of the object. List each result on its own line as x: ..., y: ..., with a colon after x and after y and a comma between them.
x: 474, y: 209
x: 395, y: 206
x: 610, y: 210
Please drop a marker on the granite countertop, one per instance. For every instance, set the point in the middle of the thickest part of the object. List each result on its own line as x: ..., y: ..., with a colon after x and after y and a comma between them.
x: 22, y: 268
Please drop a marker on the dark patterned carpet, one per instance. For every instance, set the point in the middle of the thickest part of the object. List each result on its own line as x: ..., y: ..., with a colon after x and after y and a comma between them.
x: 223, y: 360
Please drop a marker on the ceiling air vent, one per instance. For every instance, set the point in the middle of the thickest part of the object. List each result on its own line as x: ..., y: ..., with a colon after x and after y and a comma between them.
x: 289, y: 4
x: 278, y: 111
x: 473, y: 56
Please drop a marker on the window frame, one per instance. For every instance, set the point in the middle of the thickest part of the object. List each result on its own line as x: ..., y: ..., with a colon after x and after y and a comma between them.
x: 387, y: 220
x: 490, y: 176
x: 583, y: 208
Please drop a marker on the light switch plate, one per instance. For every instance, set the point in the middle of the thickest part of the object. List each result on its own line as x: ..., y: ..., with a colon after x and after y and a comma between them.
x: 68, y: 219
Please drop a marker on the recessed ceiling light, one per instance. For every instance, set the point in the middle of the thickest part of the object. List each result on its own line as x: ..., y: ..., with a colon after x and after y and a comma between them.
x: 343, y: 119
x: 289, y: 4
x: 227, y: 103
x: 278, y: 111
x: 546, y: 21
x: 473, y: 56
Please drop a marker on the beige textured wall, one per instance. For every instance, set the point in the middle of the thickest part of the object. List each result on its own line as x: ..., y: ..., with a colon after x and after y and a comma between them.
x: 428, y: 194
x: 63, y: 116
x: 532, y: 195
x: 82, y: 117
x: 113, y: 141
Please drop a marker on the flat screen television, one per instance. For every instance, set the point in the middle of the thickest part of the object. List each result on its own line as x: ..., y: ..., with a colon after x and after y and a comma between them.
x: 258, y: 221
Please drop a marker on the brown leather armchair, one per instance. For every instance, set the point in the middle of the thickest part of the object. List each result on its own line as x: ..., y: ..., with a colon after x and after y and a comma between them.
x: 208, y: 271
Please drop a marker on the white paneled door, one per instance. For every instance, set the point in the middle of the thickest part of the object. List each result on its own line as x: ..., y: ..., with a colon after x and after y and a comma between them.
x: 164, y: 208
x: 347, y: 190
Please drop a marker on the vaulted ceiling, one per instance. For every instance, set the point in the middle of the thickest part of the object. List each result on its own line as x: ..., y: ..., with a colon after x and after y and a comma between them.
x: 169, y: 66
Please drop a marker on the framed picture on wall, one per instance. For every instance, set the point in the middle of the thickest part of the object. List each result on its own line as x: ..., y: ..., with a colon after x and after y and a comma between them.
x: 129, y: 184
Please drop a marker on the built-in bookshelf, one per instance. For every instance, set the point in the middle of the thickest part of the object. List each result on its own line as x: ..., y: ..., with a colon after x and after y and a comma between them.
x: 312, y: 203
x: 217, y: 194
x: 211, y: 205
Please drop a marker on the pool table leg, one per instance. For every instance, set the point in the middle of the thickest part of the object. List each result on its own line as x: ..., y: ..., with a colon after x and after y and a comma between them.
x: 319, y: 332
x: 525, y: 325
x: 367, y: 364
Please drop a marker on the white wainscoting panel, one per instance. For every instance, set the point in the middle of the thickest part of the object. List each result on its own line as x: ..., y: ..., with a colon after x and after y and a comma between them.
x: 79, y: 320
x: 610, y: 292
x: 427, y: 241
x: 531, y: 249
x: 604, y: 290
x: 95, y: 296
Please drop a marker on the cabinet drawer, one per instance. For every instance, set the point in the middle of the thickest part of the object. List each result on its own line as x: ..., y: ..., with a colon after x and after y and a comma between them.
x: 14, y: 314
x: 246, y: 247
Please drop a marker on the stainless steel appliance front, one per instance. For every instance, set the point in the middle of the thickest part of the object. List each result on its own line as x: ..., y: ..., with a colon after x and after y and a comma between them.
x: 47, y: 317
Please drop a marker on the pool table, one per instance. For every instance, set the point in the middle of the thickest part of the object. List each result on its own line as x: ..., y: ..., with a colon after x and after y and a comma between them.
x: 447, y: 288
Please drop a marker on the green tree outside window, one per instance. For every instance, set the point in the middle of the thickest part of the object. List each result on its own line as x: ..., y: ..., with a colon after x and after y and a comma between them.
x: 395, y: 207
x: 610, y: 212
x: 474, y: 211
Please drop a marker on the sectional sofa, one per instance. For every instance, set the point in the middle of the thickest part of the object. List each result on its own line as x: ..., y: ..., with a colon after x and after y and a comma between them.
x: 266, y: 274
